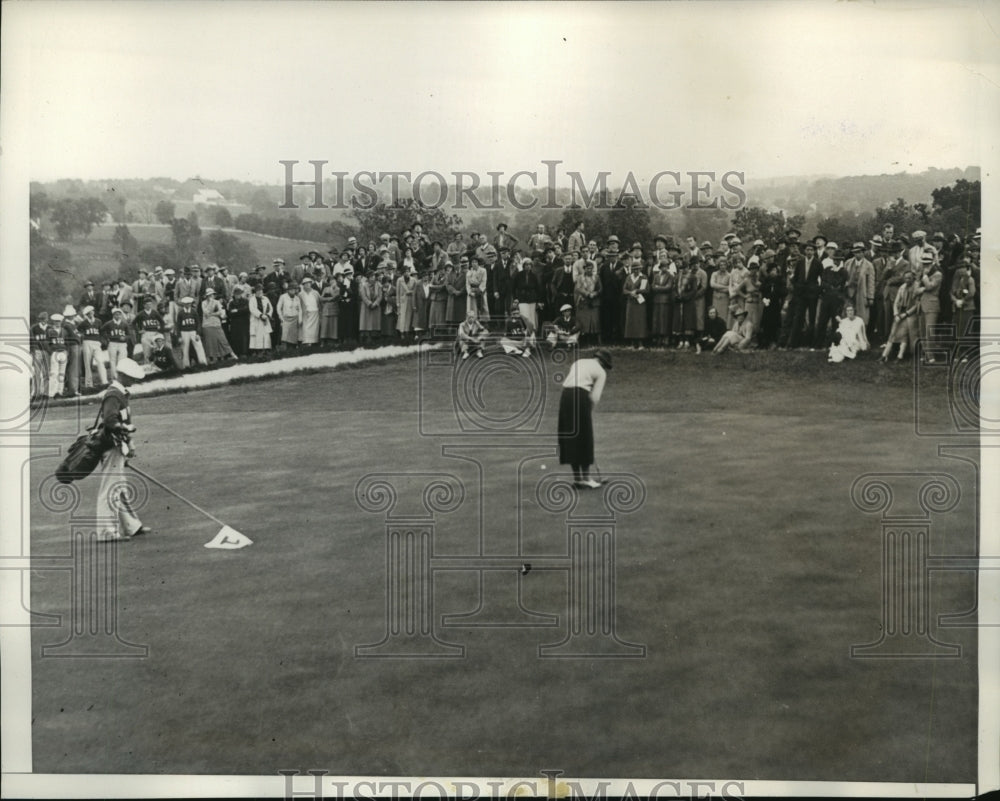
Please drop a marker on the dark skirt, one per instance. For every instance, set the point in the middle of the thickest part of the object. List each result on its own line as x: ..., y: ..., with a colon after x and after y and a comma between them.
x: 576, y: 427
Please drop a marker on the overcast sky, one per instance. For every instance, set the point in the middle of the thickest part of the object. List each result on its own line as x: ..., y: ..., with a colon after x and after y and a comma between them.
x: 226, y: 90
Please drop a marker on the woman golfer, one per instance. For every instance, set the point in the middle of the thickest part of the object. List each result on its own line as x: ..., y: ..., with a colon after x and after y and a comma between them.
x: 581, y: 392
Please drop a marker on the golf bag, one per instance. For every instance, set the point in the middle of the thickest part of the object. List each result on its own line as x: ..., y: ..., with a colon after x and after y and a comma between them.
x: 84, y: 454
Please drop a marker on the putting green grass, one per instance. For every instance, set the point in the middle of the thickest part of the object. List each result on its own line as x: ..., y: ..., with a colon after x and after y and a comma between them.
x: 747, y: 574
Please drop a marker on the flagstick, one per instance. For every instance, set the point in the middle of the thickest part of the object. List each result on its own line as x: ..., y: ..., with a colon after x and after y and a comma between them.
x: 163, y: 486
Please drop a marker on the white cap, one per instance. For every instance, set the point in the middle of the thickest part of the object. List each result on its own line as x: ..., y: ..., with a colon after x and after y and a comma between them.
x: 88, y: 309
x: 187, y: 299
x: 56, y: 318
x: 565, y: 307
x: 833, y: 245
x: 130, y: 368
x: 828, y: 262
x: 69, y: 311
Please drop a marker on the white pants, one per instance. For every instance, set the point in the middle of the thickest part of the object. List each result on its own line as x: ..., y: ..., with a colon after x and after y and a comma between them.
x: 92, y: 356
x: 40, y: 369
x: 189, y: 338
x: 116, y: 351
x: 529, y: 311
x: 57, y: 372
x: 517, y: 346
x: 115, y: 517
x: 554, y: 338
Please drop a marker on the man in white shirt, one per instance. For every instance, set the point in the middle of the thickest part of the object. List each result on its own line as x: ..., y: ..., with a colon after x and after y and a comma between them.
x: 582, y: 390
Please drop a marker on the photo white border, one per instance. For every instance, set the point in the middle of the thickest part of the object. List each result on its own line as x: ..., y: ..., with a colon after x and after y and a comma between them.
x: 15, y: 646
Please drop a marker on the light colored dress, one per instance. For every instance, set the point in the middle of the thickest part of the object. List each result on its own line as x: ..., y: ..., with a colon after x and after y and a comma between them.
x: 852, y: 339
x: 309, y: 298
x: 404, y: 304
x: 216, y: 344
x: 370, y: 318
x: 260, y: 322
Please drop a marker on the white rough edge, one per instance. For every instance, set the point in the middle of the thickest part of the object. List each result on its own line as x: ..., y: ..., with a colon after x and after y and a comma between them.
x: 224, y: 375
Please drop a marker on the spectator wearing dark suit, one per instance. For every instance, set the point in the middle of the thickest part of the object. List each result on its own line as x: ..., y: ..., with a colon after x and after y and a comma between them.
x: 805, y: 274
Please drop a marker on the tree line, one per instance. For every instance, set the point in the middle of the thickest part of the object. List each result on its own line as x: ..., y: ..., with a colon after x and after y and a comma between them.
x: 954, y: 209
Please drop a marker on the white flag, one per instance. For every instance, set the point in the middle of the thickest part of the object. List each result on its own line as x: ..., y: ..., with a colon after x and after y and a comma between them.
x: 229, y: 539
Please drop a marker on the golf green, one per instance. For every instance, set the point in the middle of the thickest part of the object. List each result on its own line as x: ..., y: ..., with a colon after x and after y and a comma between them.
x: 744, y: 572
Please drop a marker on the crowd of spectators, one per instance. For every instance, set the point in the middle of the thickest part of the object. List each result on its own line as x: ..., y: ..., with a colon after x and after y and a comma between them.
x: 891, y: 291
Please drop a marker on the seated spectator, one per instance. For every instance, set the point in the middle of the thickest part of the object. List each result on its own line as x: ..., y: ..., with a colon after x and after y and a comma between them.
x: 737, y: 337
x: 564, y: 331
x: 471, y: 335
x: 849, y: 338
x: 162, y: 357
x: 519, y: 332
x: 715, y: 329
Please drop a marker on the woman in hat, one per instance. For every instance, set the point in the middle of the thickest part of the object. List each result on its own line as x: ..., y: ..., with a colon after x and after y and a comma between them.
x: 635, y: 290
x: 389, y: 315
x: 684, y: 306
x: 309, y: 298
x: 421, y: 305
x: 216, y: 345
x: 370, y: 314
x: 261, y: 322
x: 904, y: 328
x: 329, y: 311
x: 238, y: 315
x: 405, y: 287
x: 582, y: 390
x: 739, y: 336
x: 587, y: 295
x: 662, y: 288
x: 437, y: 315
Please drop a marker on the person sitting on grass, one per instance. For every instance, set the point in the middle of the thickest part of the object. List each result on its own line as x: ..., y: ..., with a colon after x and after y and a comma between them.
x: 162, y: 357
x: 849, y: 338
x: 739, y: 336
x: 471, y: 335
x: 565, y: 331
x: 715, y: 329
x: 519, y: 336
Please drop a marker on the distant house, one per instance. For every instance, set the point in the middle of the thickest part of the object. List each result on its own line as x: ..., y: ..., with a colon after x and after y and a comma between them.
x: 209, y: 197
